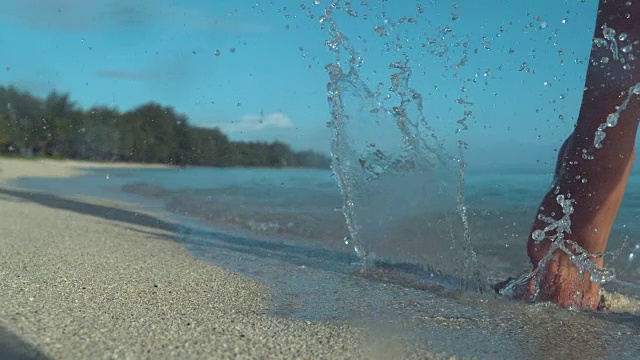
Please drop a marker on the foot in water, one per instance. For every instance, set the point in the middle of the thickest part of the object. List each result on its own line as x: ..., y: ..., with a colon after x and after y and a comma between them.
x: 561, y: 282
x: 592, y: 170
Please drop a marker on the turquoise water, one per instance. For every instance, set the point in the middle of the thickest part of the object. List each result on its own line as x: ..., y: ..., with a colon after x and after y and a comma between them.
x: 315, y: 275
x: 305, y: 205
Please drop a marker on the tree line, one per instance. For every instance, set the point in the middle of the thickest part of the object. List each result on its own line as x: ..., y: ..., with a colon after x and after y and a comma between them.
x: 151, y: 133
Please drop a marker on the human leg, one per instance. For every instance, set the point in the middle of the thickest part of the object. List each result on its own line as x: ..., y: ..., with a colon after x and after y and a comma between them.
x: 593, y: 175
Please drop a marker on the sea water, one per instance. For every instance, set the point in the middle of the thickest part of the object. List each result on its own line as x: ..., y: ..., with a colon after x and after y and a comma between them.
x: 306, y: 205
x: 286, y: 227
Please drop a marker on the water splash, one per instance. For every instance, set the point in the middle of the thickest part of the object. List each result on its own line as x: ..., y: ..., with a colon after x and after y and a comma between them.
x: 391, y: 165
x: 580, y: 257
x: 472, y: 280
x: 612, y: 119
x: 621, y: 47
x: 556, y: 233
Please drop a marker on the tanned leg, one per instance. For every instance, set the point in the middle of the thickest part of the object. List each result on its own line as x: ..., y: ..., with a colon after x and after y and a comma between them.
x: 596, y: 185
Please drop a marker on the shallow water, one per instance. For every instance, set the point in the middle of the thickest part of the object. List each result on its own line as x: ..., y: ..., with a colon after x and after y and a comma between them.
x: 305, y: 205
x: 316, y: 276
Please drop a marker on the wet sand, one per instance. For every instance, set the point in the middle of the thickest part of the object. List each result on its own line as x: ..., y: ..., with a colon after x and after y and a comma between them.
x: 78, y: 286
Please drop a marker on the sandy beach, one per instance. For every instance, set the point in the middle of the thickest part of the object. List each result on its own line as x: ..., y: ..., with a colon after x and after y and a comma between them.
x: 78, y: 286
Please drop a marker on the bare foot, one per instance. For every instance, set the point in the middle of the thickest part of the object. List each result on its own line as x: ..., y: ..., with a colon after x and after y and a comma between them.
x: 561, y: 282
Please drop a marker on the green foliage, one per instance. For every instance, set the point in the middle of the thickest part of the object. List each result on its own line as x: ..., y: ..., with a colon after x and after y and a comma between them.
x: 56, y: 127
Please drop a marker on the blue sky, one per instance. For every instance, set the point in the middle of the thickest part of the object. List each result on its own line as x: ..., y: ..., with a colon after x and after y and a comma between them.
x: 256, y: 68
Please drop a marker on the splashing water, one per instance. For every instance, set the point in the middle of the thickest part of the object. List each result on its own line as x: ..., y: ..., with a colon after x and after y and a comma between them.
x: 580, y: 257
x: 402, y: 185
x: 559, y: 241
x: 394, y: 171
x: 612, y: 119
x: 621, y: 47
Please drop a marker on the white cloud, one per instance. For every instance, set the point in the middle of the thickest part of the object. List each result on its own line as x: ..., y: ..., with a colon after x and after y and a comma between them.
x: 252, y: 123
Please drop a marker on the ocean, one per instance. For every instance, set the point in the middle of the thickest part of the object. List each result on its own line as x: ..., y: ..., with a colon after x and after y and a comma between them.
x: 286, y: 227
x: 306, y: 205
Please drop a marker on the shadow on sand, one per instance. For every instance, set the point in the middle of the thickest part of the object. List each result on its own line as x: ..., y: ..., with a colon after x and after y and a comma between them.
x: 14, y: 348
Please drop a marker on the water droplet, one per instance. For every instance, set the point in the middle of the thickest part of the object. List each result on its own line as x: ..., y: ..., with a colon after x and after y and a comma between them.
x: 612, y: 120
x: 565, y: 20
x: 604, y: 60
x: 626, y: 67
x: 217, y: 53
x: 597, y: 142
x: 608, y: 33
x: 623, y: 36
x: 584, y: 180
x: 380, y: 30
x: 602, y: 275
x: 538, y: 235
x: 627, y: 49
x: 600, y: 42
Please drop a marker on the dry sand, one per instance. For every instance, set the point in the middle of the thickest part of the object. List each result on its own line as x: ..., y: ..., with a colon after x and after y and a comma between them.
x: 12, y: 168
x: 74, y: 286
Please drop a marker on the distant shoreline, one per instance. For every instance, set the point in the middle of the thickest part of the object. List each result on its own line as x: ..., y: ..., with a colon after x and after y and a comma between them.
x: 150, y: 133
x: 12, y: 168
